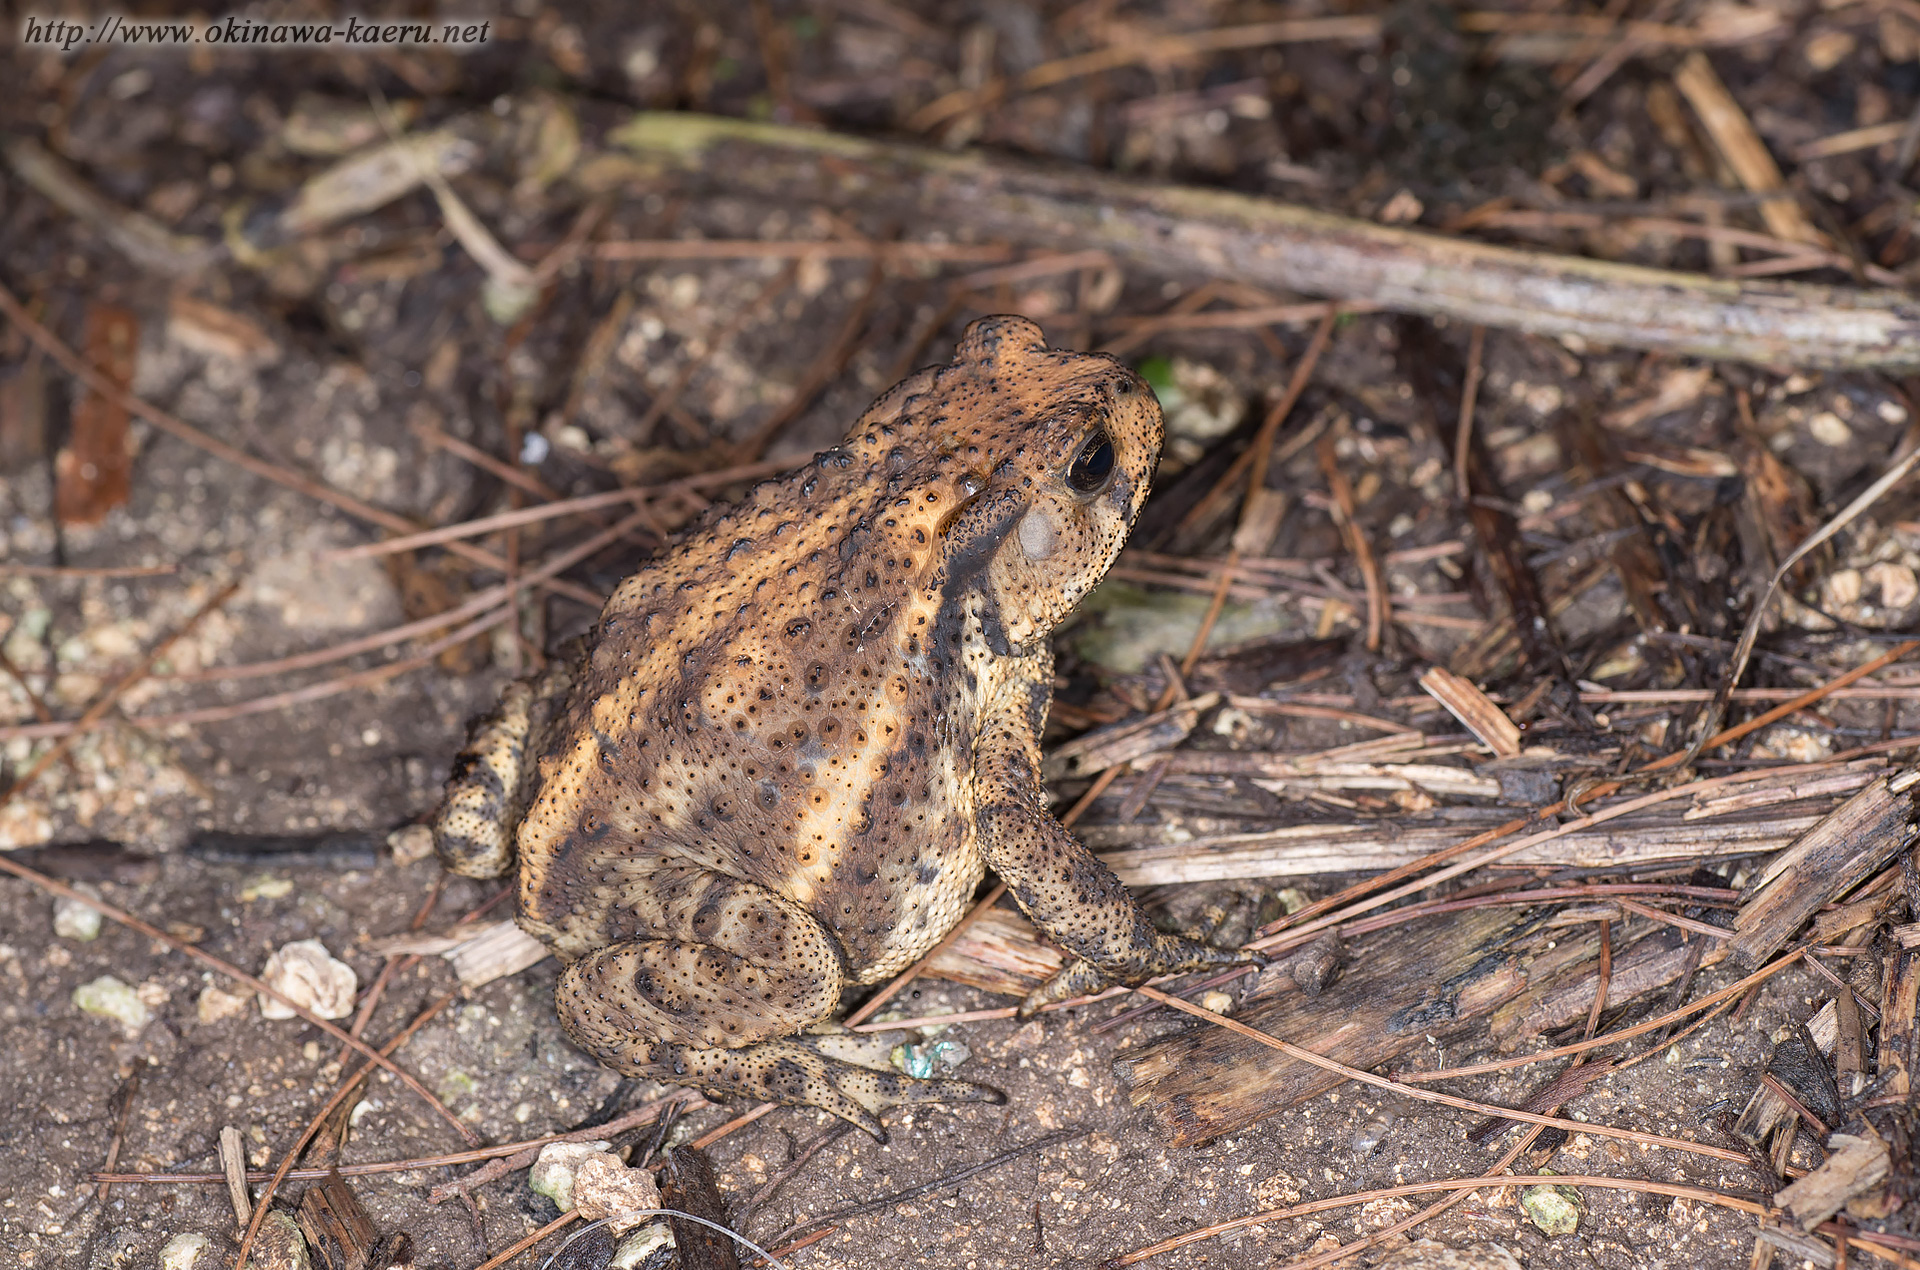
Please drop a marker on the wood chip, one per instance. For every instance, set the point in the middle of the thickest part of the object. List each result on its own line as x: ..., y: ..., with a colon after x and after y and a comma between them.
x: 1899, y: 1005
x: 340, y: 1235
x: 1830, y: 924
x: 498, y: 950
x: 1766, y: 1111
x: 233, y: 1162
x: 1849, y: 1052
x: 1857, y: 1165
x: 1734, y: 136
x: 1842, y: 780
x: 1127, y: 742
x: 1806, y: 1249
x: 687, y: 1183
x: 1357, y: 846
x: 93, y: 473
x: 999, y: 952
x: 1474, y: 710
x: 1433, y: 778
x: 218, y: 332
x: 1843, y: 850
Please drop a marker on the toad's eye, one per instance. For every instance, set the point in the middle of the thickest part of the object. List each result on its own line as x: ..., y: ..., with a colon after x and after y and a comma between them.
x: 1093, y: 466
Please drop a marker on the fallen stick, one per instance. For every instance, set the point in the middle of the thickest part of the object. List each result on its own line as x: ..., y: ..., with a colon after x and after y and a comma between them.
x: 1358, y: 846
x: 1182, y: 230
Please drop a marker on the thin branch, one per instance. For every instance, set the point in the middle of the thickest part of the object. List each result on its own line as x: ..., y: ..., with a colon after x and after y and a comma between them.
x: 1469, y: 394
x: 1261, y: 242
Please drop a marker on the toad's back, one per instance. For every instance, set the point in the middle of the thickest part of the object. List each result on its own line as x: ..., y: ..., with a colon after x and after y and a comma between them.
x: 787, y: 700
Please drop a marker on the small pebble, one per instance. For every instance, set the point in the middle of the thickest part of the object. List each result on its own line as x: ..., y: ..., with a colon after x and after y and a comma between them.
x: 109, y: 998
x: 181, y: 1251
x: 1368, y: 1137
x: 413, y: 843
x: 1898, y: 587
x: 77, y: 919
x: 553, y: 1172
x: 1829, y: 428
x: 266, y: 887
x: 1554, y: 1209
x: 1841, y: 589
x: 641, y: 1245
x: 1428, y: 1254
x: 1217, y: 1001
x: 279, y: 1245
x: 604, y: 1187
x: 215, y: 1004
x: 306, y: 973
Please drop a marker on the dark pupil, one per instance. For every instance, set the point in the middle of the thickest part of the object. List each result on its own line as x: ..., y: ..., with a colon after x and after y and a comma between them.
x: 1095, y: 464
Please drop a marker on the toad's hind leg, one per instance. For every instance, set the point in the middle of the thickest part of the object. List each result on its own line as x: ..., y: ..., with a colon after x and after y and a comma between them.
x: 715, y: 1002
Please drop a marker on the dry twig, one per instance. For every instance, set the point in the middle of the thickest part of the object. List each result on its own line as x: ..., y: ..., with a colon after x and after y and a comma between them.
x: 1269, y: 244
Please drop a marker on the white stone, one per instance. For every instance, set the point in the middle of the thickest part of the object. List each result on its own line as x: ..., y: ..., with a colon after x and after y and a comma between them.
x: 181, y: 1251
x: 1898, y: 585
x: 413, y: 843
x: 553, y: 1172
x: 215, y: 1004
x: 1829, y: 428
x: 76, y: 919
x: 307, y: 974
x: 604, y: 1187
x: 641, y: 1245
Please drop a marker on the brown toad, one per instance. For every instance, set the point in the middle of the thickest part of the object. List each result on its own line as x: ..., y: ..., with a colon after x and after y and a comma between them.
x: 797, y: 740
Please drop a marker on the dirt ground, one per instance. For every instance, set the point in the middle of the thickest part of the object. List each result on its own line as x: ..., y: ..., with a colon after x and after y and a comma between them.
x: 350, y: 357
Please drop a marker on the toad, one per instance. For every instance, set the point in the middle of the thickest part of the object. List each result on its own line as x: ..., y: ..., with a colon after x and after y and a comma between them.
x: 794, y: 743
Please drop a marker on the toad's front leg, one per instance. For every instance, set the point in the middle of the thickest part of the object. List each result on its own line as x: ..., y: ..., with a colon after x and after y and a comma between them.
x: 1071, y: 896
